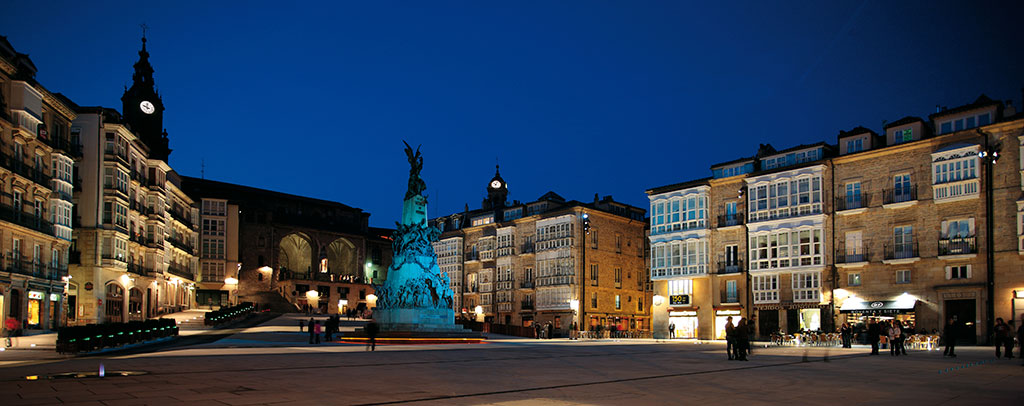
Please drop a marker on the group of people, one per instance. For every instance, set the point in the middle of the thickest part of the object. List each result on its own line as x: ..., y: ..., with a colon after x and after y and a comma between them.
x: 328, y: 328
x: 893, y: 330
x: 1004, y: 337
x: 737, y: 339
x: 546, y: 330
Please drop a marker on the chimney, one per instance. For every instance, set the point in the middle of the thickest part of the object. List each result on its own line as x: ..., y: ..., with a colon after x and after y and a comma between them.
x: 937, y: 108
x: 1009, y: 110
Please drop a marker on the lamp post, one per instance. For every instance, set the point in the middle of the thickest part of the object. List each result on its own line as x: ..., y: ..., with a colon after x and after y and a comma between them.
x: 232, y: 284
x: 988, y: 157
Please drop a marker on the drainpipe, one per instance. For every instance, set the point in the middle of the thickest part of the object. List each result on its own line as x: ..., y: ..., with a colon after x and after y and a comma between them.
x: 832, y: 268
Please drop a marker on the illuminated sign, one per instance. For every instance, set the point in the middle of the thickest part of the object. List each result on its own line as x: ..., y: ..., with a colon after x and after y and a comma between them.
x: 35, y: 295
x: 679, y: 300
x: 54, y: 297
x: 687, y: 313
x: 727, y: 312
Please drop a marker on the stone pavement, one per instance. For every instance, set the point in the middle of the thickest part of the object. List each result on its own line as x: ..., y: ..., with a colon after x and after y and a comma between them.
x: 514, y: 371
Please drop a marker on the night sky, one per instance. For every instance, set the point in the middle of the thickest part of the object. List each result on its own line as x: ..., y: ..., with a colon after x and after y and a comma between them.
x: 584, y: 97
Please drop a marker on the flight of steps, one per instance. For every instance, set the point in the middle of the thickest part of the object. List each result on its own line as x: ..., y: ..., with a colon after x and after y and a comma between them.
x: 196, y: 323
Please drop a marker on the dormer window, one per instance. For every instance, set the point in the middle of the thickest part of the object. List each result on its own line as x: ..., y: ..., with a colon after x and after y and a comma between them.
x: 963, y: 123
x: 902, y: 135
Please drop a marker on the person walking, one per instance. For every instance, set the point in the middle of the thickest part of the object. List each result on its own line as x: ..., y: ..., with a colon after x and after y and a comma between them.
x: 742, y: 340
x: 730, y: 338
x: 318, y: 328
x: 949, y: 335
x: 536, y: 330
x: 572, y: 332
x: 874, y: 333
x: 1002, y: 332
x: 672, y: 329
x: 311, y: 330
x: 371, y: 330
x: 551, y: 330
x: 302, y: 323
x: 845, y: 332
x: 893, y: 333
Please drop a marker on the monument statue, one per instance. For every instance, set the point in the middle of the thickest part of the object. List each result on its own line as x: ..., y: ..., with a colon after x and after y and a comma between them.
x: 416, y: 295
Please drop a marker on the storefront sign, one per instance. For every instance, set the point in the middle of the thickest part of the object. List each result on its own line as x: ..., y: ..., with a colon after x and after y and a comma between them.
x: 679, y: 300
x: 54, y: 297
x: 878, y: 307
x: 88, y: 286
x: 727, y: 312
x: 686, y: 313
x: 35, y: 295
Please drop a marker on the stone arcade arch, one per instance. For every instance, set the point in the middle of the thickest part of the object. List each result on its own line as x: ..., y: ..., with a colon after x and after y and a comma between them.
x: 341, y: 258
x: 113, y: 303
x: 295, y: 254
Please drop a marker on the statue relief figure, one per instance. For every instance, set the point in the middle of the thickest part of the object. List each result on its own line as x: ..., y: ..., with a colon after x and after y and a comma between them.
x: 416, y: 184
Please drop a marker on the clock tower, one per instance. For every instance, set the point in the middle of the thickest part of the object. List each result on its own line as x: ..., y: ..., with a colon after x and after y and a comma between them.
x: 497, y: 191
x: 144, y: 110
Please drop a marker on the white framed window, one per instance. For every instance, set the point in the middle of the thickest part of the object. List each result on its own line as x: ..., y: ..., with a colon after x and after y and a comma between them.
x: 855, y: 145
x: 853, y: 279
x: 963, y: 123
x: 902, y: 189
x: 618, y: 302
x: 786, y: 198
x: 955, y: 173
x: 903, y: 276
x: 679, y: 258
x: 958, y: 272
x: 853, y: 196
x: 766, y: 288
x: 901, y: 135
x: 680, y: 287
x: 784, y: 249
x: 903, y: 242
x: 806, y: 286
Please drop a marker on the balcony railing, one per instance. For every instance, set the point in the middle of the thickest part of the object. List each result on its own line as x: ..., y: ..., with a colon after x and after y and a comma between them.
x: 851, y: 202
x: 957, y: 246
x: 526, y: 285
x: 178, y: 243
x: 901, y: 251
x: 31, y: 268
x: 181, y: 218
x: 730, y: 297
x: 472, y: 256
x: 680, y: 226
x: 24, y: 219
x: 526, y: 248
x: 855, y: 255
x: 728, y: 267
x: 181, y: 273
x: 526, y: 305
x: 806, y: 209
x: 63, y: 144
x: 899, y: 195
x: 137, y: 269
x: 730, y: 219
x: 16, y: 165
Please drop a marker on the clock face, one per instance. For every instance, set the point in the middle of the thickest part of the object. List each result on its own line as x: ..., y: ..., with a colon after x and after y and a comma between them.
x: 147, y: 107
x: 495, y: 184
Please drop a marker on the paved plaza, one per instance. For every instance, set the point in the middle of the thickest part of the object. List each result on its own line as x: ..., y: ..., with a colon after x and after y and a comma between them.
x: 273, y: 364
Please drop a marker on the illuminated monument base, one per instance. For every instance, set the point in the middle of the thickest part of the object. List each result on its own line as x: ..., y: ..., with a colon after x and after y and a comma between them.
x: 416, y: 299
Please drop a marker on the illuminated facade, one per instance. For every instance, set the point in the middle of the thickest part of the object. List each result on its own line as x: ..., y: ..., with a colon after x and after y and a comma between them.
x: 885, y: 225
x: 287, y: 251
x: 524, y: 263
x: 35, y: 195
x: 134, y: 246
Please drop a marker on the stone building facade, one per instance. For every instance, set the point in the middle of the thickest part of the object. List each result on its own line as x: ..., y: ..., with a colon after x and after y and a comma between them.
x: 878, y: 226
x: 36, y: 160
x: 309, y: 253
x: 547, y: 261
x: 135, y: 238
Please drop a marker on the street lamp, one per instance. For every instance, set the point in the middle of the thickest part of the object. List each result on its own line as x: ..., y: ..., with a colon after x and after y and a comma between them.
x: 988, y: 157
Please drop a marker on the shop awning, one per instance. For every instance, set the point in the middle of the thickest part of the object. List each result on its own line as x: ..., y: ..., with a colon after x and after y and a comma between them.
x: 878, y: 306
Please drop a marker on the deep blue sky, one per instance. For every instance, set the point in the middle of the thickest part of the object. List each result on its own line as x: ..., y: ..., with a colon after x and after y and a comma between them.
x: 583, y: 97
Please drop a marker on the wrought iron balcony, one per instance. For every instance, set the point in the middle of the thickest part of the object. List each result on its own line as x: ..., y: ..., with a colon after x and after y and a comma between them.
x: 730, y: 297
x: 856, y: 255
x: 526, y: 248
x: 730, y: 219
x: 852, y: 202
x: 901, y: 251
x: 180, y: 272
x: 526, y: 305
x: 25, y: 219
x: 958, y: 246
x: 728, y: 267
x: 526, y: 285
x: 899, y: 195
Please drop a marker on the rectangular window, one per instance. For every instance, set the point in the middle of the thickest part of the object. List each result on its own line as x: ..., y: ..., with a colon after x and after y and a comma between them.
x: 901, y: 188
x: 766, y: 288
x: 593, y: 274
x: 854, y: 279
x: 958, y: 272
x: 618, y: 277
x: 903, y: 242
x: 903, y: 276
x: 618, y: 302
x: 853, y: 196
x: 806, y: 287
x: 593, y: 300
x: 731, y: 293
